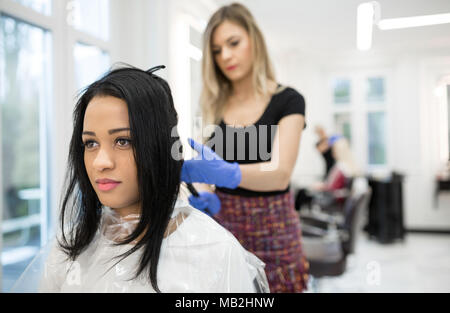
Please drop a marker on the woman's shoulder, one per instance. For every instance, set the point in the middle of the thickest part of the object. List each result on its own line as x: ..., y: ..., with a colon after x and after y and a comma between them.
x: 288, y: 101
x: 287, y: 91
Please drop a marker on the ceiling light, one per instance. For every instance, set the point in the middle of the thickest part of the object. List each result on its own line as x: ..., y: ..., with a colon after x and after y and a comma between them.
x: 414, y: 21
x: 365, y: 21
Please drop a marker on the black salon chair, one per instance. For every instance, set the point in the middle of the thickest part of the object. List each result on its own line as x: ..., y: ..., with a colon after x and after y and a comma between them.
x: 329, y: 237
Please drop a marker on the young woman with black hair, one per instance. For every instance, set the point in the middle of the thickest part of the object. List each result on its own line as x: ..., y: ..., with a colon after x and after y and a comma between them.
x: 124, y: 227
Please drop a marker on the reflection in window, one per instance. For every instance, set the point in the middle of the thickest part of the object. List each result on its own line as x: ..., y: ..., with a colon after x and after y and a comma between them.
x: 375, y: 90
x: 377, y: 138
x: 24, y: 89
x: 41, y: 6
x: 343, y: 125
x: 90, y: 64
x: 341, y: 91
x: 90, y: 16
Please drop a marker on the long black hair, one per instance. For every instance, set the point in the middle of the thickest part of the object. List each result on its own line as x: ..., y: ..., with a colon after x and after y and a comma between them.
x: 152, y: 118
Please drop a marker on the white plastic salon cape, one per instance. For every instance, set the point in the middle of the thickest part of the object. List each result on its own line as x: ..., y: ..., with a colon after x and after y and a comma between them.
x: 197, y: 255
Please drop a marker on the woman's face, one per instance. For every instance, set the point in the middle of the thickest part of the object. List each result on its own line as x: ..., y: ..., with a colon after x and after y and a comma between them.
x: 108, y: 154
x: 232, y: 51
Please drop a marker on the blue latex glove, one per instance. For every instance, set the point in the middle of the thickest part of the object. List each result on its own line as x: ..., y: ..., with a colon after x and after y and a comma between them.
x: 206, y: 202
x: 209, y: 168
x: 333, y: 139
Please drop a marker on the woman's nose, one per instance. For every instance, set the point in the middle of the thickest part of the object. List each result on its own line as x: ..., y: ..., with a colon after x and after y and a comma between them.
x: 226, y: 54
x: 103, y: 160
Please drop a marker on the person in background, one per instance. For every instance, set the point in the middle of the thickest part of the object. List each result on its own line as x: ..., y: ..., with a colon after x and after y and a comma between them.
x: 324, y: 147
x: 252, y: 197
x: 338, y: 181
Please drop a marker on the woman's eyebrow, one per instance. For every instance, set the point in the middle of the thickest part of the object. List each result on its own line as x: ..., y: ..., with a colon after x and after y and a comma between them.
x: 88, y: 133
x: 232, y: 38
x: 228, y: 40
x: 111, y: 131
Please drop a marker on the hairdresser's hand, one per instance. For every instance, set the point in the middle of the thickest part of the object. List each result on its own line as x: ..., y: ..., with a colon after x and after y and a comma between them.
x: 206, y: 202
x: 209, y: 168
x: 333, y: 139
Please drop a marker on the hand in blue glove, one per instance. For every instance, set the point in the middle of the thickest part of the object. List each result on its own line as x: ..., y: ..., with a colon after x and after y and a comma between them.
x: 333, y: 139
x: 209, y: 168
x: 206, y: 202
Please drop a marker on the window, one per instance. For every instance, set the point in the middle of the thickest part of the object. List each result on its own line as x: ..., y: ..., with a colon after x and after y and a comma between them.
x: 341, y: 91
x: 376, y: 120
x: 343, y: 125
x: 24, y: 94
x: 342, y: 107
x: 41, y: 6
x: 91, y: 17
x: 377, y: 138
x: 360, y: 113
x: 28, y: 37
x: 90, y: 64
x: 375, y: 90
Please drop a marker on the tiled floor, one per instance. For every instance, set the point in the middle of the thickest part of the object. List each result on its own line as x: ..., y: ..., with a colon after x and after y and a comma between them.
x: 421, y: 263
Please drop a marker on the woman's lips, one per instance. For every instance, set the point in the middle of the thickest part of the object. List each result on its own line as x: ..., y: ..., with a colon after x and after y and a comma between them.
x: 230, y: 68
x: 106, y: 184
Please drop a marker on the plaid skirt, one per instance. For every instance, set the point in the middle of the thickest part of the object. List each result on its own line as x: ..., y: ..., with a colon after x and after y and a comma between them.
x: 269, y: 227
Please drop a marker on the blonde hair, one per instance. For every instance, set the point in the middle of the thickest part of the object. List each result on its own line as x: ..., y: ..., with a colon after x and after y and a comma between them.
x: 342, y: 154
x: 216, y: 87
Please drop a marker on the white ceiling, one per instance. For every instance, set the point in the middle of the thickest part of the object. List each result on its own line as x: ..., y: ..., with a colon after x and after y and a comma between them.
x: 329, y: 26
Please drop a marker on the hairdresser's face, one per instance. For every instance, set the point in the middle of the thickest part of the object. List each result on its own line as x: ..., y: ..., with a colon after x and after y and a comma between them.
x: 108, y: 153
x: 232, y: 51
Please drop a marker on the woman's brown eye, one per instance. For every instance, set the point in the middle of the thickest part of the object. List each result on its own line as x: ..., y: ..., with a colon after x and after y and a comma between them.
x: 235, y: 43
x: 123, y: 142
x: 89, y: 144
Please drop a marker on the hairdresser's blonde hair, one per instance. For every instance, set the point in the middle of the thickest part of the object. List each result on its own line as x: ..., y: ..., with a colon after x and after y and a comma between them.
x: 216, y: 87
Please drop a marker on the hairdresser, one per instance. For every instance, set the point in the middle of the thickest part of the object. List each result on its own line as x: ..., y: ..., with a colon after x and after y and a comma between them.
x: 324, y: 145
x: 304, y: 197
x: 242, y: 97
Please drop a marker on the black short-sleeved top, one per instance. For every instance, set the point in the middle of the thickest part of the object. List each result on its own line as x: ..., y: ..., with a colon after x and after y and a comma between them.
x: 253, y: 143
x: 328, y: 157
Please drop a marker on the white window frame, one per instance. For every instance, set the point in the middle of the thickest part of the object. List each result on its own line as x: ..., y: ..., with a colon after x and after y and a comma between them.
x: 63, y: 92
x: 180, y: 69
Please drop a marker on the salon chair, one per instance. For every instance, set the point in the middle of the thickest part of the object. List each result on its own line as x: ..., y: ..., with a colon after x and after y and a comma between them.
x: 329, y: 237
x: 328, y: 201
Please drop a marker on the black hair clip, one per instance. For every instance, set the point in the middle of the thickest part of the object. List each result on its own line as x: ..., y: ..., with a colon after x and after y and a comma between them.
x: 156, y: 68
